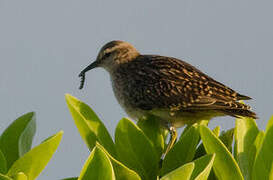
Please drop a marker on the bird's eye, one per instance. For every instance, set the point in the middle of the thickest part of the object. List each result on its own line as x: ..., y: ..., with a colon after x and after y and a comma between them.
x: 106, y: 55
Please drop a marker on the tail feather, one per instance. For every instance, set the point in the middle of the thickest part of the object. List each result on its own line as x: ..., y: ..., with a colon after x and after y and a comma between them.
x: 243, y: 97
x: 240, y: 112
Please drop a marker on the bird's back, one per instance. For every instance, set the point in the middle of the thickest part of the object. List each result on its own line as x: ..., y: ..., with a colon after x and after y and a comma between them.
x: 152, y: 82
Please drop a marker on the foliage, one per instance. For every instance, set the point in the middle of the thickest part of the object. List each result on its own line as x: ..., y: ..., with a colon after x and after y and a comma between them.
x: 199, y: 153
x: 17, y: 160
x: 136, y: 153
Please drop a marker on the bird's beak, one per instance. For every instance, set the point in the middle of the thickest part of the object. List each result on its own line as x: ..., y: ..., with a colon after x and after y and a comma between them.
x: 91, y: 66
x: 82, y: 74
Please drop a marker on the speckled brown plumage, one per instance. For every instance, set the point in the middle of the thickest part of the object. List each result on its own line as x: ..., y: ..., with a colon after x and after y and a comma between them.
x: 145, y: 84
x: 162, y: 82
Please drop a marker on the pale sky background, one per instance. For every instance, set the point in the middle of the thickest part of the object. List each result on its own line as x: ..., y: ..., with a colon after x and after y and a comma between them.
x: 45, y: 44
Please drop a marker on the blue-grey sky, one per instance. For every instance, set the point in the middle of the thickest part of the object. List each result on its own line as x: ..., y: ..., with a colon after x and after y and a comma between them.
x: 45, y: 44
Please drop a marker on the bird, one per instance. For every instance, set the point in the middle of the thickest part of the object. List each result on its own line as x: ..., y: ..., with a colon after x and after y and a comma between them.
x: 170, y: 89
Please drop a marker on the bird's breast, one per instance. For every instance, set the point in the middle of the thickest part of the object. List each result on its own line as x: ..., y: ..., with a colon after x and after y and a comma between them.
x: 124, y: 94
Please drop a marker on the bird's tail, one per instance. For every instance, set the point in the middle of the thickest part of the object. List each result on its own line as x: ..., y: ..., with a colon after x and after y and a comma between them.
x: 240, y: 112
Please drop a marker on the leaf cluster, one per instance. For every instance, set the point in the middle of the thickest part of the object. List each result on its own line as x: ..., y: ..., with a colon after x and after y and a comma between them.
x: 17, y: 160
x: 244, y: 152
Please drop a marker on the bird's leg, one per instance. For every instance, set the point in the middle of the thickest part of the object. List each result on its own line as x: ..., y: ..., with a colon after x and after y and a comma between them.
x: 173, y: 136
x: 172, y: 140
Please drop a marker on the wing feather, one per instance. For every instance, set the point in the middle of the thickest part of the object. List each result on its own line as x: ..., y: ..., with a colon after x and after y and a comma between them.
x: 164, y: 82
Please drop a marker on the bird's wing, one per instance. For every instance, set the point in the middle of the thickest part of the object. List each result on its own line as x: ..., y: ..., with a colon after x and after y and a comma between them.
x: 166, y: 82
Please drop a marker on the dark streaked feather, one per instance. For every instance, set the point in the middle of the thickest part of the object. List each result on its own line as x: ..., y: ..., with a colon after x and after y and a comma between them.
x: 164, y: 82
x: 239, y: 112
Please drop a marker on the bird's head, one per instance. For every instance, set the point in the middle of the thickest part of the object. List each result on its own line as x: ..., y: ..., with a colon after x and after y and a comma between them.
x: 111, y: 56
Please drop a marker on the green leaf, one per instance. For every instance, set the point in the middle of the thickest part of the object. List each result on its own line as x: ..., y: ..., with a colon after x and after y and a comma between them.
x: 183, y: 151
x: 202, y: 167
x: 227, y: 138
x: 17, y: 138
x: 182, y: 173
x: 216, y: 131
x: 97, y: 166
x: 3, y: 163
x: 89, y: 125
x: 135, y: 150
x: 121, y: 171
x: 200, y: 151
x: 246, y: 132
x: 4, y: 177
x: 258, y: 142
x: 225, y: 167
x: 185, y: 130
x: 72, y: 178
x: 263, y: 165
x: 21, y: 176
x: 156, y: 134
x: 34, y: 161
